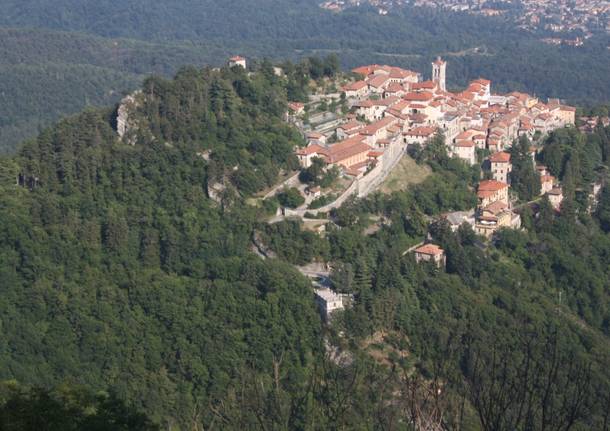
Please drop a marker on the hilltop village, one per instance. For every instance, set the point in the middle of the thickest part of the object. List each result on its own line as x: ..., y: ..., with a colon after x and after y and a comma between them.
x: 391, y: 110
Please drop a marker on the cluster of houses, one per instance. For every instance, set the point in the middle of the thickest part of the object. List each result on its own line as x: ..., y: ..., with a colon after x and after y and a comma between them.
x: 395, y: 107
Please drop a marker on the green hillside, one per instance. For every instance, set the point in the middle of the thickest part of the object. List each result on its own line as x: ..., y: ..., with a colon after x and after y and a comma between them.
x: 120, y: 275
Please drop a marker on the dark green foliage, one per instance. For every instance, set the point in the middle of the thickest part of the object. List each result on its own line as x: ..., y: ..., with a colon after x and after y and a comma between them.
x: 66, y: 408
x: 319, y: 174
x: 290, y: 198
x: 117, y: 271
x: 294, y: 245
x: 524, y: 179
x: 321, y: 201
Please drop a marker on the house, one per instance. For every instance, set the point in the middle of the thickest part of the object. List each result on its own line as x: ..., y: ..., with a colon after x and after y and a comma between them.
x: 491, y: 191
x: 316, y: 138
x: 349, y: 129
x: 458, y: 218
x: 378, y: 83
x: 431, y: 253
x: 465, y: 150
x: 237, y: 61
x: 495, y: 216
x: 367, y: 110
x: 566, y: 115
x: 418, y: 135
x: 450, y: 124
x: 306, y: 155
x: 329, y: 302
x: 314, y: 192
x: 357, y: 90
x: 547, y: 182
x: 377, y: 130
x: 555, y: 197
x: 348, y: 153
x: 296, y: 108
x: 501, y: 166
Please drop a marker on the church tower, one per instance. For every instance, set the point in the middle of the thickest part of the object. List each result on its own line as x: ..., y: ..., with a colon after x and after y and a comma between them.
x: 438, y: 72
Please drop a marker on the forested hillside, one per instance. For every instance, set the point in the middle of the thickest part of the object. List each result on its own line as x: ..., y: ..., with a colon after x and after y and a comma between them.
x: 120, y: 274
x: 54, y: 37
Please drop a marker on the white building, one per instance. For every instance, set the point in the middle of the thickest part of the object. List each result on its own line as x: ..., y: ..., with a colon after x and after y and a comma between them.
x: 329, y: 302
x: 439, y: 68
x: 237, y: 61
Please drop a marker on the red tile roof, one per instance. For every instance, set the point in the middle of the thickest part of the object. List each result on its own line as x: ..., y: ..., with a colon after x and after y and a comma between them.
x: 421, y: 131
x: 429, y: 249
x: 355, y: 86
x: 422, y: 97
x: 500, y: 157
x: 378, y: 81
x: 345, y: 149
x: 371, y: 129
x: 311, y: 149
x: 489, y: 188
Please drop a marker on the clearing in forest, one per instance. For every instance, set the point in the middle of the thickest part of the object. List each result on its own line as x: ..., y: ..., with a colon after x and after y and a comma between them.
x: 405, y: 173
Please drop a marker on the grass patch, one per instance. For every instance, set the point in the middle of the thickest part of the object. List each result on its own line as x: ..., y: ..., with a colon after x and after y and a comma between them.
x: 405, y: 173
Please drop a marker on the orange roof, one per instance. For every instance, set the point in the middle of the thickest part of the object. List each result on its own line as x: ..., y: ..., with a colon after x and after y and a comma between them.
x: 363, y: 104
x: 388, y: 101
x: 492, y: 185
x: 295, y: 106
x: 400, y: 105
x: 365, y: 70
x: 421, y: 131
x: 430, y: 249
x: 377, y: 125
x: 397, y: 72
x: 425, y: 85
x: 496, y: 207
x: 422, y: 97
x: 378, y: 81
x: 350, y: 125
x: 346, y: 149
x: 394, y: 88
x: 311, y: 149
x: 354, y: 86
x: 418, y: 118
x: 500, y: 157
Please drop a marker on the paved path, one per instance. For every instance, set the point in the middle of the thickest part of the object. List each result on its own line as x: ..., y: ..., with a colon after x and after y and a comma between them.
x: 290, y: 182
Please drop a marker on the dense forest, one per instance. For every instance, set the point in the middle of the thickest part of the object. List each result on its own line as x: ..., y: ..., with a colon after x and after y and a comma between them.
x: 124, y: 282
x: 89, y: 53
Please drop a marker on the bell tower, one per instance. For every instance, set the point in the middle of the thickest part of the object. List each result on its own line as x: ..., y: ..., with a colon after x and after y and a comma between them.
x: 439, y: 67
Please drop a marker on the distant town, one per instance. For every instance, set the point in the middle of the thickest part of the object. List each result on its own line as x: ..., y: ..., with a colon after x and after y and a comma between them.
x: 573, y: 21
